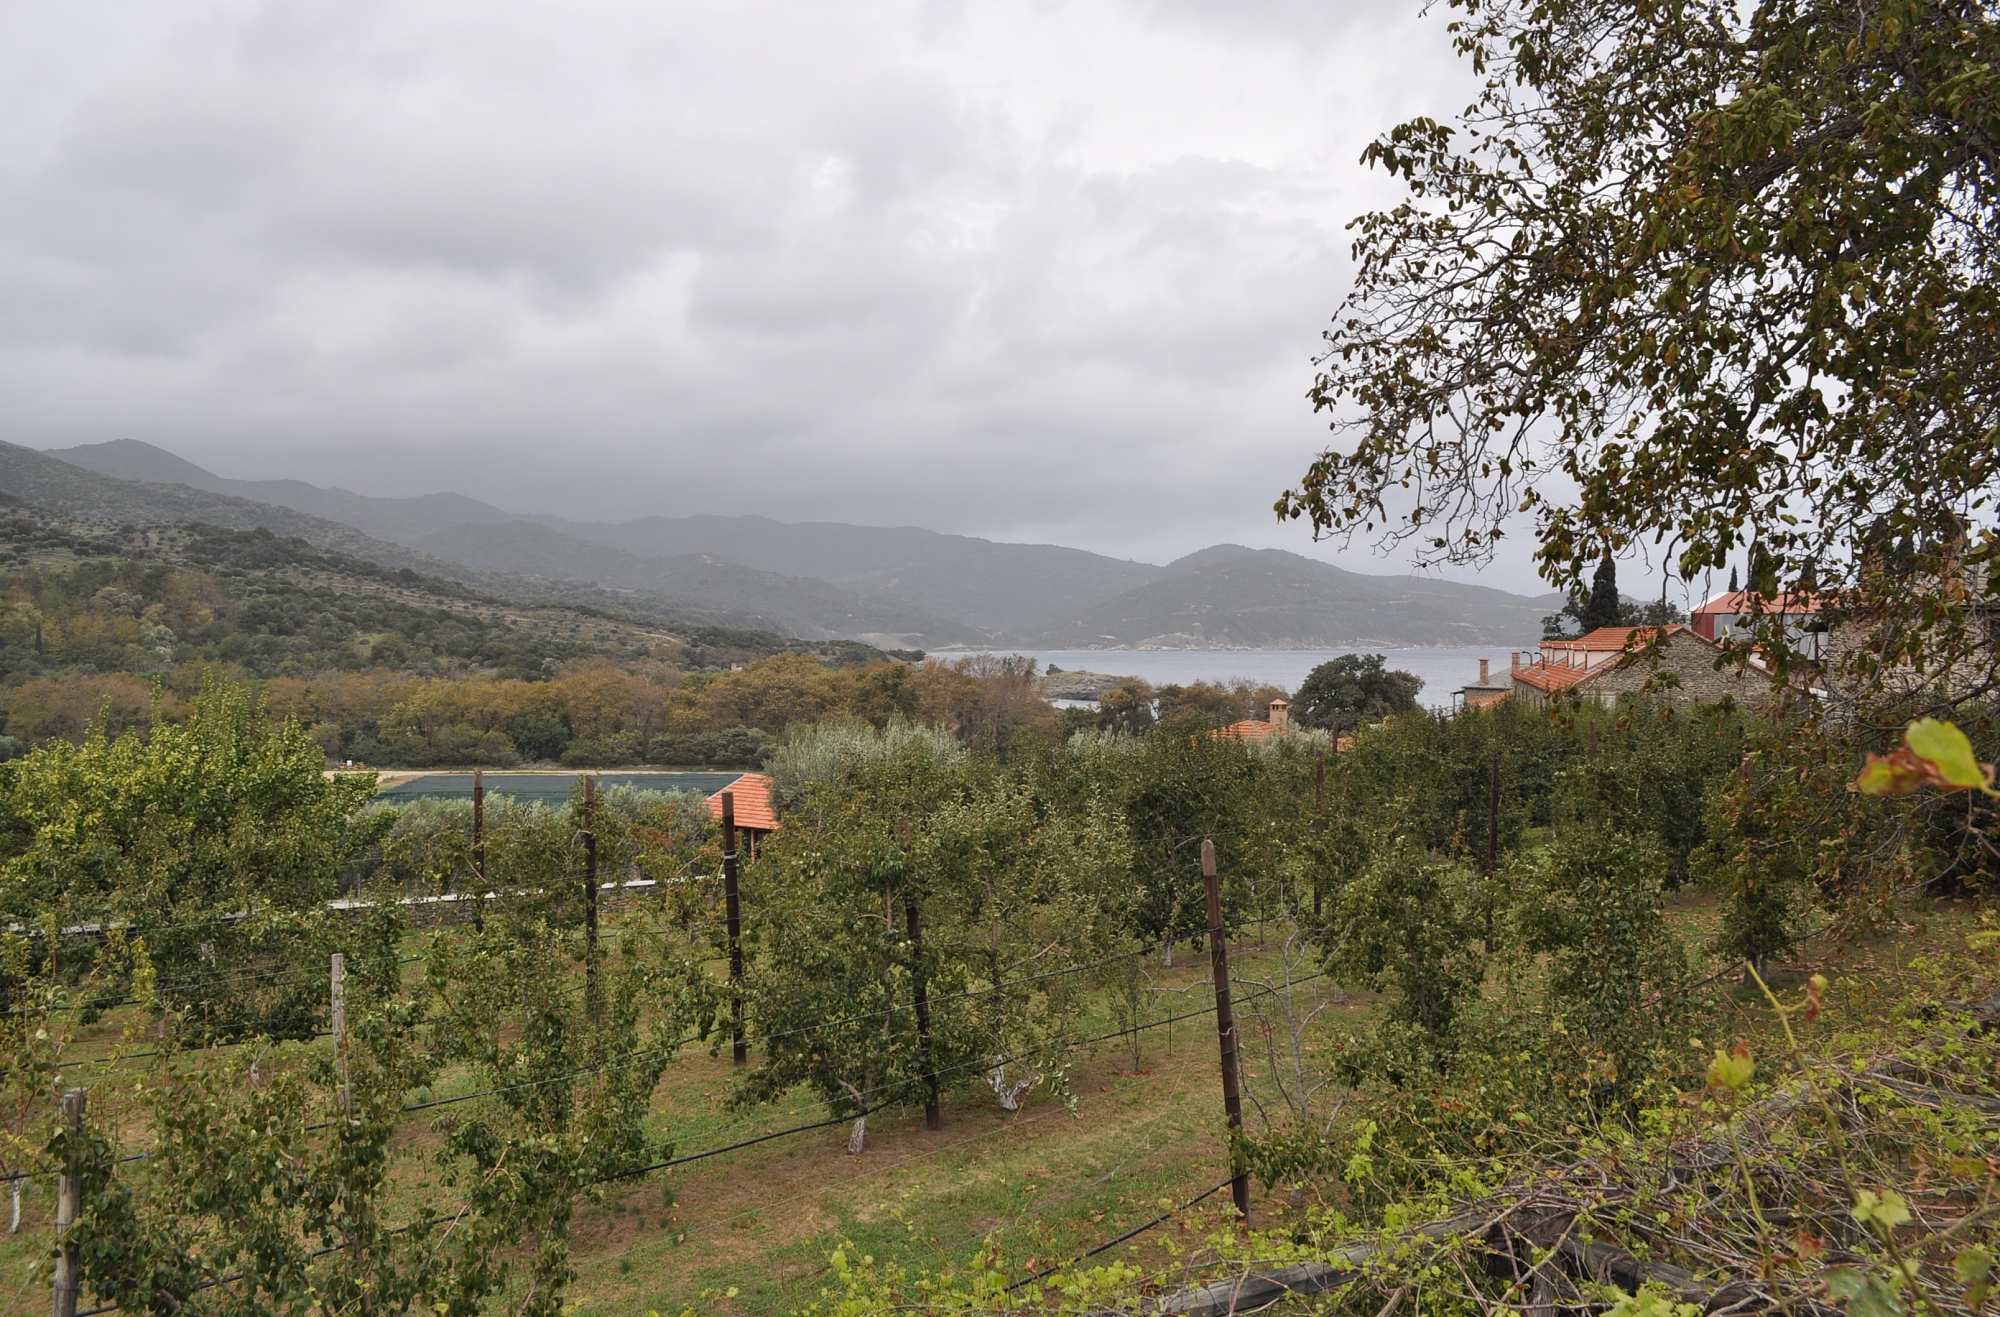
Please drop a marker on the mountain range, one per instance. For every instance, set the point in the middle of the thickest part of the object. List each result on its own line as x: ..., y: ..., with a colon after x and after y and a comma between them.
x: 897, y: 587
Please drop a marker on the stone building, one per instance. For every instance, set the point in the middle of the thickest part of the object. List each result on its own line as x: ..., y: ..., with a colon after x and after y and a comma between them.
x: 1680, y: 668
x: 1673, y: 664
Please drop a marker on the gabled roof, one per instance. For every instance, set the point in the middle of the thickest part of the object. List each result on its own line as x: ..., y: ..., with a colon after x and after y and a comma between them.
x: 752, y: 803
x: 1610, y: 639
x: 1250, y: 729
x: 1739, y: 601
x: 1552, y: 677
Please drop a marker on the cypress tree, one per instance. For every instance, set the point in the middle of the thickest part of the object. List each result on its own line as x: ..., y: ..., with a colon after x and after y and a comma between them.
x: 1763, y: 570
x: 1601, y: 608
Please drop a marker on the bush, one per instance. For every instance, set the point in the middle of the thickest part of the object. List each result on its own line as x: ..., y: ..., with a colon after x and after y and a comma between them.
x: 1616, y: 973
x: 1407, y: 925
x: 539, y: 735
x: 732, y: 747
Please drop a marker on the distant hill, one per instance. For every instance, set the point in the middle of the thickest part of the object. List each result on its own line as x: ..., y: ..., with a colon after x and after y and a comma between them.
x: 993, y: 586
x: 397, y: 519
x: 44, y: 481
x: 889, y: 586
x: 1230, y: 597
x: 62, y: 486
x: 700, y: 581
x: 984, y: 587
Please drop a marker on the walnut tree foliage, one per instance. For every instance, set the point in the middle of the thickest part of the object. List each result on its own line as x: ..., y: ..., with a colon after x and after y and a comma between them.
x: 1688, y: 272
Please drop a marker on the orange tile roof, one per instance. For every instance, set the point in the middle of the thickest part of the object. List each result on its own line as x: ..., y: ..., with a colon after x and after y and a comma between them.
x: 1487, y: 701
x: 752, y: 803
x: 1553, y: 677
x: 1738, y: 601
x: 1608, y: 638
x: 1250, y: 729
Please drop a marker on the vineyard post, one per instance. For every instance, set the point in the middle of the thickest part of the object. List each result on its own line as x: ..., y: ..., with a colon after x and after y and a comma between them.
x: 339, y: 993
x: 1492, y: 844
x: 590, y: 1001
x: 1493, y: 817
x: 69, y: 1202
x: 732, y: 913
x: 1319, y: 809
x: 932, y: 1118
x: 479, y: 850
x: 1225, y: 1032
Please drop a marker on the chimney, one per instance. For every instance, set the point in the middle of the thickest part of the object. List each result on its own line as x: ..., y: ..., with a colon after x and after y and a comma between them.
x: 1281, y: 715
x: 1514, y: 661
x: 1482, y: 671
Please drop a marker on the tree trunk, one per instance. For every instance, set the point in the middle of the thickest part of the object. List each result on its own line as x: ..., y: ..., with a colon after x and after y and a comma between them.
x: 857, y: 1136
x: 14, y: 1225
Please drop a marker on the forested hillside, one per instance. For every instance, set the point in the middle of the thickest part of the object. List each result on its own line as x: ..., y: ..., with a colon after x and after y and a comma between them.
x: 100, y: 621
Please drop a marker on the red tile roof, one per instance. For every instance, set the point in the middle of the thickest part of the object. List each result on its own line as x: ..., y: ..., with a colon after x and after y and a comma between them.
x: 1486, y: 701
x: 1250, y: 729
x: 1739, y: 601
x: 1608, y: 639
x: 752, y: 803
x: 1552, y: 677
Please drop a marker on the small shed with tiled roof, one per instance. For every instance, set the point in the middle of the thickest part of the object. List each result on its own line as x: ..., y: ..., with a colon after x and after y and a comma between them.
x: 1256, y: 729
x: 750, y: 802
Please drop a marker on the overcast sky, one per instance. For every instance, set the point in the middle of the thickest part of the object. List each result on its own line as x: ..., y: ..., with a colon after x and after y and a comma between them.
x: 1035, y: 271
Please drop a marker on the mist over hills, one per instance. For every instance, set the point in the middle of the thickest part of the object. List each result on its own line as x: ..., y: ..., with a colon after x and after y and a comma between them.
x: 891, y: 586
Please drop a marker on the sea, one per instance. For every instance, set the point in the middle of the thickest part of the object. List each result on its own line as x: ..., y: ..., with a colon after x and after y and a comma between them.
x: 1443, y: 671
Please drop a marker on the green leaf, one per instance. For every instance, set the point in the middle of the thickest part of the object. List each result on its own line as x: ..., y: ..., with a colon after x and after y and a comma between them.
x: 1973, y: 1264
x: 1944, y: 745
x: 1731, y: 1070
x: 1884, y: 1211
x: 1865, y: 1295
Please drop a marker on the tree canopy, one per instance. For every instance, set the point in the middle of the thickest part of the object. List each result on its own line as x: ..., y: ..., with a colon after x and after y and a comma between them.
x: 1696, y: 274
x: 1351, y: 689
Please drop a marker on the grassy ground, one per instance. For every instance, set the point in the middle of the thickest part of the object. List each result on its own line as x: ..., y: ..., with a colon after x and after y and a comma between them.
x: 749, y: 1232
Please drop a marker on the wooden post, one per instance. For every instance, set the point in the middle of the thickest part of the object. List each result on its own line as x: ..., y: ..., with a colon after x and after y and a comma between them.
x: 1225, y: 1031
x: 1493, y: 818
x: 339, y: 984
x: 69, y: 1203
x: 1488, y: 898
x: 732, y: 913
x: 479, y: 849
x: 1319, y: 808
x: 932, y: 1118
x: 920, y: 986
x: 590, y: 1001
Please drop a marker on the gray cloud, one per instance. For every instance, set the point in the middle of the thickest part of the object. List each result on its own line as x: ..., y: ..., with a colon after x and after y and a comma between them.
x: 1030, y: 270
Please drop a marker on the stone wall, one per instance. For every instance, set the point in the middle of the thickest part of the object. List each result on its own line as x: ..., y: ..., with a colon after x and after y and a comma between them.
x: 1680, y: 670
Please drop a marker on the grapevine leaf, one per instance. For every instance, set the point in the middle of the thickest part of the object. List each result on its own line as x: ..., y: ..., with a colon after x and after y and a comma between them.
x: 1945, y: 746
x: 1865, y: 1295
x: 1731, y: 1070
